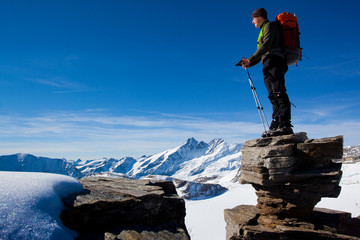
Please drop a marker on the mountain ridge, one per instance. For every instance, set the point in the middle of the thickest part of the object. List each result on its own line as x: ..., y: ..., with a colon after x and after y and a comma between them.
x: 195, y: 162
x: 200, y: 170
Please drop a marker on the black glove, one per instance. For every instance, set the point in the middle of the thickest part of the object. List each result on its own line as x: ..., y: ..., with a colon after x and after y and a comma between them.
x: 239, y: 64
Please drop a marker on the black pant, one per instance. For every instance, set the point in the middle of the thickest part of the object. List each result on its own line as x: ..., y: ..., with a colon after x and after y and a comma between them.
x: 274, y: 69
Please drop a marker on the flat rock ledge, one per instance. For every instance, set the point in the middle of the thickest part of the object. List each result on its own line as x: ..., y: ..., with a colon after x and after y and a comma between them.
x: 243, y: 222
x: 126, y: 209
x: 290, y: 175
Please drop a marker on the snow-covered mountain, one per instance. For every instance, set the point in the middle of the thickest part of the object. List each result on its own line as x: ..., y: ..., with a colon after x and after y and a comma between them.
x: 195, y: 163
x: 29, y: 163
x: 192, y: 161
x: 352, y: 152
x: 169, y: 162
x: 112, y: 165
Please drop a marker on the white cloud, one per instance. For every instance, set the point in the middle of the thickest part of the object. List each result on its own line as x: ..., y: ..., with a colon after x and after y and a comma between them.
x: 346, y: 65
x: 55, y: 82
x: 349, y: 129
x: 62, y: 85
x: 95, y: 134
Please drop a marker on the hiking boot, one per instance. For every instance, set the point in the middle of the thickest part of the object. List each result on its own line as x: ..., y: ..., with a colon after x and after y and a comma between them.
x: 266, y: 133
x: 273, y: 126
x: 285, y: 130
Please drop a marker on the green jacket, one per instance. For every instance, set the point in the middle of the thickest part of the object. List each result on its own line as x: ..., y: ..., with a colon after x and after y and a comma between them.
x: 269, y: 41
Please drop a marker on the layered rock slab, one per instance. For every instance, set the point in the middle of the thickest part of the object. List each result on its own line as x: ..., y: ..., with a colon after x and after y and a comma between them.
x: 290, y: 175
x: 243, y: 223
x: 120, y: 208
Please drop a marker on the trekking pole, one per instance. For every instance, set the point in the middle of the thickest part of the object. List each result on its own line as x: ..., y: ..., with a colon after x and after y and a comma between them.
x: 258, y: 103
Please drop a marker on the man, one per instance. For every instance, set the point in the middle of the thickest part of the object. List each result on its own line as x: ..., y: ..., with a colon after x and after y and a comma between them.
x: 274, y: 68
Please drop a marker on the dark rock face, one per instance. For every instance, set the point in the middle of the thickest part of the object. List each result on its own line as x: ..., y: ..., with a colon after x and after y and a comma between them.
x: 290, y: 175
x: 120, y: 208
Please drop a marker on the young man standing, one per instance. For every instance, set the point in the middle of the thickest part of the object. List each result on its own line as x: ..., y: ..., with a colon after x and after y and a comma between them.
x: 274, y: 68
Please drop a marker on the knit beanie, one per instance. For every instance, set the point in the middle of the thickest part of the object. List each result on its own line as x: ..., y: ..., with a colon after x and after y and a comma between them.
x: 260, y: 12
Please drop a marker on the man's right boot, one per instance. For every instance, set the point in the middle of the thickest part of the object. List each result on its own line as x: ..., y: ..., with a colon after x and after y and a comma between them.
x: 273, y: 126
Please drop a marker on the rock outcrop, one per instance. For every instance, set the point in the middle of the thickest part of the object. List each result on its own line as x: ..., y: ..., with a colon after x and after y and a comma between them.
x: 120, y: 208
x: 290, y: 175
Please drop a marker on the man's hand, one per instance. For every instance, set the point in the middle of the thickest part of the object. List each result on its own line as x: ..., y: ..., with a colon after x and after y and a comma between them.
x: 245, y: 63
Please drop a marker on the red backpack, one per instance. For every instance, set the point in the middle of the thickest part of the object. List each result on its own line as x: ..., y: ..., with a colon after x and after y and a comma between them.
x: 290, y: 37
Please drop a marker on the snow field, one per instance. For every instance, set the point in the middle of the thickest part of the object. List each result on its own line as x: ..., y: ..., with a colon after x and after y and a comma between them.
x: 205, y: 218
x: 30, y: 205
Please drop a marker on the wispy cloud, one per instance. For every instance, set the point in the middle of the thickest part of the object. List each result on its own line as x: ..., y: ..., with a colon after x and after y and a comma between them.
x: 63, y: 85
x: 349, y: 129
x: 96, y: 134
x: 325, y: 113
x: 56, y: 82
x: 41, y: 71
x: 347, y: 65
x: 68, y: 91
x: 93, y: 134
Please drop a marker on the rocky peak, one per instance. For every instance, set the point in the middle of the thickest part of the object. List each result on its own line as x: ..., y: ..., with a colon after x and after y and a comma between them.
x: 290, y: 175
x: 192, y: 145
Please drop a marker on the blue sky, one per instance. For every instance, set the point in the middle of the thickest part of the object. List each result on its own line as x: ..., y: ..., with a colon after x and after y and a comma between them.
x: 89, y: 79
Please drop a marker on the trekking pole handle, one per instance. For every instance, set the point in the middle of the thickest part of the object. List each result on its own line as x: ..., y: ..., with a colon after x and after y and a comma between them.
x: 240, y: 64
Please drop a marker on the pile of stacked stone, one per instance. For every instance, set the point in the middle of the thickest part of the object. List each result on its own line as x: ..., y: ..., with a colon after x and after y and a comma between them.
x: 290, y: 175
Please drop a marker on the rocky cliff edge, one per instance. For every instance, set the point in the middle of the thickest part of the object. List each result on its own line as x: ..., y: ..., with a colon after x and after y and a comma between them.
x: 120, y: 208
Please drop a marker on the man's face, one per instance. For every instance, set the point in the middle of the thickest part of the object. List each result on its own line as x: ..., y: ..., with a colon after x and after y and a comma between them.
x: 257, y: 21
